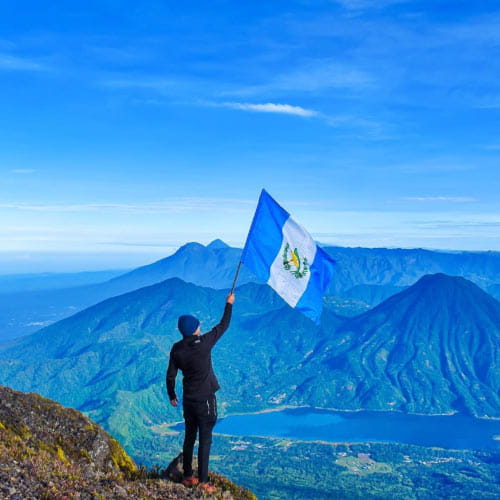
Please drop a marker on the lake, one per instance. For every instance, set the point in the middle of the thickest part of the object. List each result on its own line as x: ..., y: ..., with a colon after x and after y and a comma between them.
x: 308, y: 424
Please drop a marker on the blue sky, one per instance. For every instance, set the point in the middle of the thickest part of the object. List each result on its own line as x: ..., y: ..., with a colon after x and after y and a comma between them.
x: 129, y: 128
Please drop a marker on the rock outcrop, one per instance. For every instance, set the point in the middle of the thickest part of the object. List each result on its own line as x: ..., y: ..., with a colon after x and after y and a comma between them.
x: 51, y: 452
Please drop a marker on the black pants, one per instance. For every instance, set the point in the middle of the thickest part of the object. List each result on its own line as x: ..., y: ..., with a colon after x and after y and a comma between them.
x: 198, y: 416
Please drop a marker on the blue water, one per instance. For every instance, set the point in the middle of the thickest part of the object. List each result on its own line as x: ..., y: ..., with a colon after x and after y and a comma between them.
x: 453, y: 432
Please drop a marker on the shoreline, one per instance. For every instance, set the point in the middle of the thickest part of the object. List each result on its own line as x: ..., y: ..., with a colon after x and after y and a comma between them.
x: 337, y: 410
x: 345, y: 443
x: 358, y: 410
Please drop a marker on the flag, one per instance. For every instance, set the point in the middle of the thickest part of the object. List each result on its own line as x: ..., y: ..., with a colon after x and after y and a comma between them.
x: 283, y: 254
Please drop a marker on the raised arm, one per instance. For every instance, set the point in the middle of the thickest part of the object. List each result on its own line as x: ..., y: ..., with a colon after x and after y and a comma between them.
x: 217, y: 331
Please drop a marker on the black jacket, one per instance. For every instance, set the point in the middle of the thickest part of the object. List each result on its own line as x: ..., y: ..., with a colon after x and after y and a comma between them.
x: 192, y: 355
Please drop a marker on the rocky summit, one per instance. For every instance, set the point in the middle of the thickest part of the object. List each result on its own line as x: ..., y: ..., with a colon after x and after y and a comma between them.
x: 51, y: 452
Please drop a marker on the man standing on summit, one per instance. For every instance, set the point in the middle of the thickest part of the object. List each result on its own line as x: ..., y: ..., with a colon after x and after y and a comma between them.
x: 192, y: 355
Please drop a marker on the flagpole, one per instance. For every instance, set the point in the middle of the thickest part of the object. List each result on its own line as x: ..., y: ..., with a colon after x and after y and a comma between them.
x: 236, y: 276
x: 242, y: 258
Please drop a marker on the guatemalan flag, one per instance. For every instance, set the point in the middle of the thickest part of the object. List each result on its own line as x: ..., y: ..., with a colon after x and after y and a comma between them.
x: 282, y: 253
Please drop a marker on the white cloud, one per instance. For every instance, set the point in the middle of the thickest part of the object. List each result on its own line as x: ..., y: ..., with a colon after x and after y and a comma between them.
x: 269, y: 107
x: 323, y: 74
x: 158, y: 85
x: 446, y: 164
x: 482, y: 30
x: 153, y: 207
x: 366, y: 4
x: 23, y: 171
x: 314, y: 76
x: 464, y: 224
x: 118, y: 54
x: 452, y: 199
x: 491, y: 102
x: 14, y: 63
x: 146, y: 82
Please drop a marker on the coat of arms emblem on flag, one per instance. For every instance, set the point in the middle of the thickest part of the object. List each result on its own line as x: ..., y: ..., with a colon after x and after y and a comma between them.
x: 294, y: 263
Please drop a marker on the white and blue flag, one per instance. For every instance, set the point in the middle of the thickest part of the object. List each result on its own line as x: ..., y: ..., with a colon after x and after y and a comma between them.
x: 283, y: 254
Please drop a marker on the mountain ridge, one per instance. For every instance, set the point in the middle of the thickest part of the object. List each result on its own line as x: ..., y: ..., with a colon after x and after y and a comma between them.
x: 363, y: 276
x: 432, y: 348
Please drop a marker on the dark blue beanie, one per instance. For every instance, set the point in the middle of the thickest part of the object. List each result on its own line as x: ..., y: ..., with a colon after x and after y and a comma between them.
x: 187, y: 325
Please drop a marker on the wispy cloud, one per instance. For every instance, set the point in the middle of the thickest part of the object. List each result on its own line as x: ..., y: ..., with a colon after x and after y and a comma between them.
x: 157, y: 83
x: 485, y: 102
x: 450, y: 199
x: 366, y: 4
x: 23, y: 171
x: 181, y: 91
x: 312, y: 76
x: 164, y: 206
x: 465, y: 224
x: 15, y: 63
x: 481, y: 30
x: 371, y: 129
x: 324, y: 74
x: 444, y: 164
x: 270, y: 107
x: 121, y: 54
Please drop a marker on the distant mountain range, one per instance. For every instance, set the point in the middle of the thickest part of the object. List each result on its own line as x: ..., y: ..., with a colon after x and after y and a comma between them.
x: 402, y: 267
x: 30, y: 282
x: 213, y: 265
x: 432, y: 348
x: 364, y: 278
